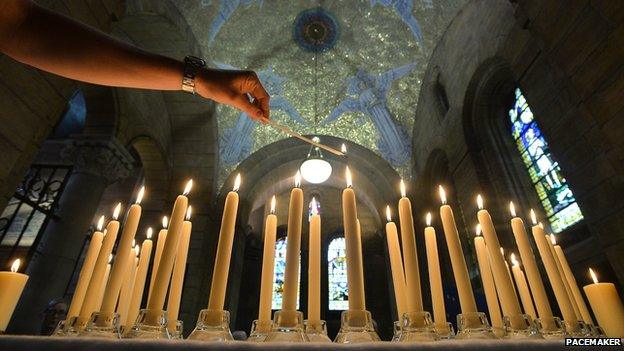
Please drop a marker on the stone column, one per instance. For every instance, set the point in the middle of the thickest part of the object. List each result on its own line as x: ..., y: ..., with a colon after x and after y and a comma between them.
x: 96, y: 163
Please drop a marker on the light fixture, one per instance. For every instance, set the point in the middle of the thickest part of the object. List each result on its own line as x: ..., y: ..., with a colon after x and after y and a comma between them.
x: 315, y: 169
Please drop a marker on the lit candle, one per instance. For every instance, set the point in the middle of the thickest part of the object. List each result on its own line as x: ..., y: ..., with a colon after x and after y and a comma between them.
x: 125, y: 294
x: 268, y: 264
x: 293, y: 247
x: 156, y: 300
x: 489, y: 288
x: 355, y: 282
x: 177, y: 279
x: 95, y: 244
x: 544, y: 312
x: 139, y: 279
x: 224, y: 250
x: 508, y: 299
x: 396, y: 264
x: 118, y: 271
x: 576, y: 292
x: 551, y: 270
x: 607, y: 306
x: 100, y: 293
x: 523, y: 288
x: 11, y: 286
x: 551, y: 245
x: 95, y: 291
x: 410, y: 257
x: 160, y: 243
x: 458, y: 262
x: 314, y: 269
x: 435, y: 277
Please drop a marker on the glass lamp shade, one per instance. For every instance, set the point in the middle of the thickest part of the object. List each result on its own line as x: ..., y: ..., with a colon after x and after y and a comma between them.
x: 315, y: 170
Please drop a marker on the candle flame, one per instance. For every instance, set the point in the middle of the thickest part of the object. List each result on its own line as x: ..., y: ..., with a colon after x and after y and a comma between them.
x: 428, y: 219
x: 133, y: 242
x: 343, y: 148
x: 388, y: 215
x: 273, y: 202
x: 165, y: 222
x: 478, y: 229
x: 150, y: 231
x: 189, y: 211
x: 313, y: 202
x: 16, y: 265
x: 553, y: 240
x: 140, y: 195
x: 533, y: 217
x: 593, y: 276
x: 297, y: 179
x: 237, y: 183
x: 514, y: 261
x: 100, y: 223
x: 187, y: 188
x: 117, y: 211
x: 137, y: 249
x: 541, y: 225
x: 502, y: 252
x: 512, y: 209
x: 480, y: 201
x: 348, y: 176
x: 105, y: 231
x: 442, y: 194
x: 402, y: 188
x: 110, y: 258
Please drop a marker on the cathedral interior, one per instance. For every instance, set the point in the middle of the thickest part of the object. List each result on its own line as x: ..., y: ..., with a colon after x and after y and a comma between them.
x: 511, y: 99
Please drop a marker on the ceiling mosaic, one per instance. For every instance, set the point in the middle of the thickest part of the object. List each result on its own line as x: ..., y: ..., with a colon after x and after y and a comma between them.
x: 350, y: 68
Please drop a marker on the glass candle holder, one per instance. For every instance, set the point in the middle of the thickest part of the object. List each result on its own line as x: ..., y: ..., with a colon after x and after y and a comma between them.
x: 177, y: 331
x: 474, y: 325
x: 417, y: 326
x: 596, y: 331
x: 576, y: 329
x: 396, y: 331
x: 316, y: 331
x: 287, y: 327
x: 520, y: 326
x: 60, y: 330
x: 102, y: 325
x: 445, y: 330
x: 150, y: 324
x: 356, y: 326
x: 552, y: 329
x: 259, y: 330
x: 212, y: 325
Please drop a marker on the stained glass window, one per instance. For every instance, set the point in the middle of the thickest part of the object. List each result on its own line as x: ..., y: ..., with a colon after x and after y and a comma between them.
x: 278, y: 274
x: 337, y: 275
x: 552, y: 188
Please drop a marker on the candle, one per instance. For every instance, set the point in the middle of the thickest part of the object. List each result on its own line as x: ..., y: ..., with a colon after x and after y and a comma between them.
x: 95, y: 244
x: 268, y: 264
x: 160, y: 243
x: 551, y: 270
x: 11, y: 286
x: 92, y: 300
x: 293, y: 247
x: 118, y: 271
x: 410, y: 257
x: 125, y: 293
x: 576, y: 292
x: 489, y: 288
x: 314, y: 269
x: 177, y: 279
x: 508, y: 299
x: 523, y: 288
x: 139, y: 279
x: 551, y: 245
x: 224, y: 250
x: 458, y: 262
x: 156, y: 299
x: 607, y: 306
x: 100, y: 293
x: 355, y: 273
x: 544, y: 312
x: 502, y: 250
x: 435, y: 277
x: 396, y: 265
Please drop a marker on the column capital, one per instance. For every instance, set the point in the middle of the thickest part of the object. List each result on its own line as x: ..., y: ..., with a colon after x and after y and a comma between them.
x: 103, y: 157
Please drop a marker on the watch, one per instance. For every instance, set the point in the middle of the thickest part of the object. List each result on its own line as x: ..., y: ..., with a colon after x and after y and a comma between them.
x: 191, y: 65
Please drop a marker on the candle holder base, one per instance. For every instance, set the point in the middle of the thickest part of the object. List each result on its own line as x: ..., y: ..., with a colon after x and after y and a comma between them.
x: 259, y: 330
x: 553, y: 330
x: 150, y: 324
x: 176, y: 331
x: 287, y: 327
x: 576, y: 329
x: 356, y: 326
x: 596, y: 331
x: 316, y: 331
x: 212, y: 325
x: 474, y: 325
x: 416, y: 327
x: 396, y: 328
x: 445, y: 330
x: 60, y: 330
x: 520, y: 326
x: 102, y: 325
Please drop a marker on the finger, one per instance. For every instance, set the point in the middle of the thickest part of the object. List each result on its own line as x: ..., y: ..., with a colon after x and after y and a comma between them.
x: 259, y: 94
x: 242, y: 103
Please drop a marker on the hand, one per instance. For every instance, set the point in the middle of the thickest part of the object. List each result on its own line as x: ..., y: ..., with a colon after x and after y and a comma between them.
x: 234, y: 88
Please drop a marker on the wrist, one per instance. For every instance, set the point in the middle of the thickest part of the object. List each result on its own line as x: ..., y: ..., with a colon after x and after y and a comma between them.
x: 192, y: 67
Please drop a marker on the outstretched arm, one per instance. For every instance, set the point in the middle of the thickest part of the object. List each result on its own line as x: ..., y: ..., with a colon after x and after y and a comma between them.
x: 57, y: 44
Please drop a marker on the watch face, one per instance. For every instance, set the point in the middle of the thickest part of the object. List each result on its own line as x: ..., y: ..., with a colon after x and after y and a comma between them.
x: 195, y: 61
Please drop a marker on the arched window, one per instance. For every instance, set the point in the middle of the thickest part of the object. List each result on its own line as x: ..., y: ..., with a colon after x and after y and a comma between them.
x: 278, y: 274
x: 552, y: 189
x: 337, y: 275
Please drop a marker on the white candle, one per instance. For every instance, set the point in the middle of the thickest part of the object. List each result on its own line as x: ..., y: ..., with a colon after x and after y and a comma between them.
x: 551, y: 244
x: 11, y: 286
x: 100, y: 293
x: 435, y: 277
x: 139, y: 279
x: 410, y: 257
x: 125, y: 294
x: 293, y: 247
x: 355, y: 282
x: 607, y: 306
x: 396, y: 265
x: 523, y: 288
x: 314, y: 269
x: 489, y: 288
x: 576, y: 292
x: 160, y: 244
x: 268, y: 265
x: 177, y: 279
